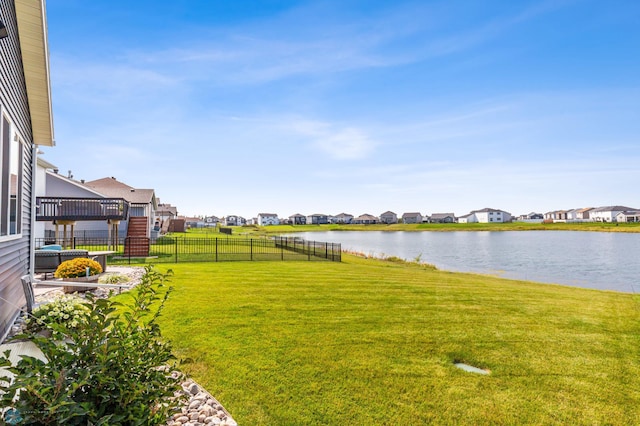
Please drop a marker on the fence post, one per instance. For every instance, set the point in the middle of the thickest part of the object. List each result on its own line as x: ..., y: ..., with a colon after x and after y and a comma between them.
x: 175, y: 249
x: 326, y: 250
x: 251, y: 248
x: 216, y: 249
x: 281, y: 250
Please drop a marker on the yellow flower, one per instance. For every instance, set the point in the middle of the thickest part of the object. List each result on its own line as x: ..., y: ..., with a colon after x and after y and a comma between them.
x: 77, y: 268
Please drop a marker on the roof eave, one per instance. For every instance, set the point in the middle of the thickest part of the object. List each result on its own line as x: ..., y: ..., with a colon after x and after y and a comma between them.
x: 32, y: 33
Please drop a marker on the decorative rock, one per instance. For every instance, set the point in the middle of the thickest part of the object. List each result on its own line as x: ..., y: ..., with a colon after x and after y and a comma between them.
x: 195, y: 404
x: 201, y: 408
x: 193, y: 389
x: 207, y: 410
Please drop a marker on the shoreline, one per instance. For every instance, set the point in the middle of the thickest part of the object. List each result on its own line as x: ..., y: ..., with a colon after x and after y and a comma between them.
x: 453, y: 227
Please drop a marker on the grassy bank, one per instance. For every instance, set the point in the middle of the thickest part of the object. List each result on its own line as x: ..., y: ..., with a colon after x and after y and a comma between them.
x: 372, y: 342
x: 448, y: 227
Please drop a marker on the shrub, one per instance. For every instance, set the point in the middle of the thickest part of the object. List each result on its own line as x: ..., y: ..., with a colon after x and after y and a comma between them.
x: 113, y: 279
x: 113, y: 369
x: 162, y: 241
x: 66, y: 311
x: 77, y: 268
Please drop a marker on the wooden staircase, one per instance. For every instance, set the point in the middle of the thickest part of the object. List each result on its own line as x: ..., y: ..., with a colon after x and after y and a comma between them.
x: 137, y: 242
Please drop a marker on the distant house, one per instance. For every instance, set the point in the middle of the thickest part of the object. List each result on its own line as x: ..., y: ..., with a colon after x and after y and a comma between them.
x: 164, y: 213
x: 608, y: 213
x: 211, y: 221
x: 388, y: 217
x: 411, y: 218
x: 317, y: 219
x: 486, y: 215
x: 265, y: 219
x: 194, y: 222
x: 344, y: 218
x: 365, y: 219
x: 572, y: 215
x: 232, y: 220
x: 298, y: 219
x: 443, y: 218
x: 59, y: 186
x: 531, y: 216
x: 26, y: 123
x: 628, y: 216
x: 556, y: 215
x: 583, y: 214
x: 143, y: 202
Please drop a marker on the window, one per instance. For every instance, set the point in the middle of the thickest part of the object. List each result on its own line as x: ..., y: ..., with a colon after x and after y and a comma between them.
x: 12, y: 155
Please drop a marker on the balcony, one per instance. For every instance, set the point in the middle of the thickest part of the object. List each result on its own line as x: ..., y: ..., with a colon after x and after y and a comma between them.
x: 80, y: 209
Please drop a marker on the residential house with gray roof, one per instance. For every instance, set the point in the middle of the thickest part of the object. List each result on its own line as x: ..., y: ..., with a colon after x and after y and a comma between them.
x: 388, y: 217
x: 365, y: 219
x: 442, y: 218
x: 413, y: 217
x: 608, y: 213
x: 486, y: 215
x: 344, y: 218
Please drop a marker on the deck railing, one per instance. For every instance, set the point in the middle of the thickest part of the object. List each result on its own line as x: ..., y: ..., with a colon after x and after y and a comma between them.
x: 69, y: 208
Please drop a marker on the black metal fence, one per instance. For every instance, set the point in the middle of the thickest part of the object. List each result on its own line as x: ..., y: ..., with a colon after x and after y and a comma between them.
x: 220, y: 249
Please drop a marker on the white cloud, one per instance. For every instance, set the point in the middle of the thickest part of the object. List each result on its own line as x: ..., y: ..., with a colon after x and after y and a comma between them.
x: 337, y: 141
x: 346, y: 144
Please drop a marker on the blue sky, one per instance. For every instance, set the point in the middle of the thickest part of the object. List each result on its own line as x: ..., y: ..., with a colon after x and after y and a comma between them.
x: 241, y: 107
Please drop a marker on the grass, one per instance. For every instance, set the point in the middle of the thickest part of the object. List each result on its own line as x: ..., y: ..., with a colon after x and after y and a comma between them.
x: 448, y: 227
x: 368, y: 341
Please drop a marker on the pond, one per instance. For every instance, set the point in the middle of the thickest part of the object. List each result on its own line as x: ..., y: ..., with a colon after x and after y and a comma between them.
x: 600, y: 260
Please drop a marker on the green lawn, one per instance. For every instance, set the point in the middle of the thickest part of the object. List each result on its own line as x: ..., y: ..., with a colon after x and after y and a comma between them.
x: 367, y: 342
x: 448, y: 227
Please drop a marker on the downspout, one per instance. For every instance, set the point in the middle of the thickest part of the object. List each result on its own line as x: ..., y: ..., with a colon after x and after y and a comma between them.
x: 32, y: 237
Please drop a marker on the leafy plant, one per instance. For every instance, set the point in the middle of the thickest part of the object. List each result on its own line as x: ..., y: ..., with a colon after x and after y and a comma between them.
x: 113, y: 279
x: 113, y: 369
x: 77, y: 268
x: 165, y: 240
x: 66, y: 311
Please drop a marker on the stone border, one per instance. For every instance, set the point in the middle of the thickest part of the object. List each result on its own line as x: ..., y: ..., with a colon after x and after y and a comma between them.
x: 201, y: 408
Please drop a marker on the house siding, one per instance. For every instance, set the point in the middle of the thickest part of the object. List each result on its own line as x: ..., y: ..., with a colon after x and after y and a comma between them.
x: 13, y: 95
x: 15, y: 257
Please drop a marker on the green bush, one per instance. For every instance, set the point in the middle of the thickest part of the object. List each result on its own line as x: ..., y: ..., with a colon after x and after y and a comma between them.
x: 113, y: 279
x: 163, y: 241
x: 113, y: 369
x: 66, y: 311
